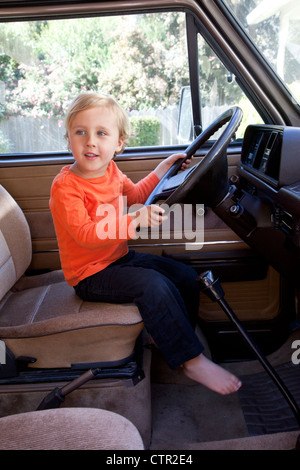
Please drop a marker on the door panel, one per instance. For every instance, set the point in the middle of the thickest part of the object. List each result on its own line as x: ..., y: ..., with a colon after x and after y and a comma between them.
x: 30, y: 186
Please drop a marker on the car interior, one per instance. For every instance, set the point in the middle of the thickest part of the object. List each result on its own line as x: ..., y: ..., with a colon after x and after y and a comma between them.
x: 69, y: 367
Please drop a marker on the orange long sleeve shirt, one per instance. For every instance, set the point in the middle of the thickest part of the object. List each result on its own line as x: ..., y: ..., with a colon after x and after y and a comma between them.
x: 92, y: 230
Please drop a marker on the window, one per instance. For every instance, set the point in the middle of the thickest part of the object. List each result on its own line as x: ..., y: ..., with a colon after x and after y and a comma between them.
x: 139, y: 59
x: 274, y: 26
x: 219, y: 90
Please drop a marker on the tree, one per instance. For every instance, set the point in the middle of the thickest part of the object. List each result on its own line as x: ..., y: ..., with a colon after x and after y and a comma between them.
x: 139, y: 65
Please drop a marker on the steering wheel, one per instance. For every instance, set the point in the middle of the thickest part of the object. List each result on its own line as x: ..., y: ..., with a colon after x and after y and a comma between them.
x: 206, y: 182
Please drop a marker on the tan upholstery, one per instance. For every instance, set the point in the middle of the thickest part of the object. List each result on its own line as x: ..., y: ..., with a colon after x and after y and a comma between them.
x: 69, y: 429
x: 41, y: 316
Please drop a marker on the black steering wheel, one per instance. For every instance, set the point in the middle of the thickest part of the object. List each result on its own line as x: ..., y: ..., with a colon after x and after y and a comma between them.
x: 206, y: 182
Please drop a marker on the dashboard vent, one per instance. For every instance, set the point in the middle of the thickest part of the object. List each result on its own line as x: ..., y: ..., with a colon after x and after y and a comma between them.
x: 262, y: 150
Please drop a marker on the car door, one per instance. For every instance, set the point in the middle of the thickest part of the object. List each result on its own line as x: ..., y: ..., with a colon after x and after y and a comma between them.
x: 147, y: 60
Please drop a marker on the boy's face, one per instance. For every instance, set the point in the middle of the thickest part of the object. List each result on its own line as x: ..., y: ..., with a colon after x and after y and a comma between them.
x: 93, y: 140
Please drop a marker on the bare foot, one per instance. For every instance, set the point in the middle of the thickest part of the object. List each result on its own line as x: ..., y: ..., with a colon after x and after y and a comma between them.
x: 206, y: 372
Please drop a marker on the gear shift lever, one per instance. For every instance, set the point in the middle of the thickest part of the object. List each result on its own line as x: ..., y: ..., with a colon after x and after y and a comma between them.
x: 213, y: 289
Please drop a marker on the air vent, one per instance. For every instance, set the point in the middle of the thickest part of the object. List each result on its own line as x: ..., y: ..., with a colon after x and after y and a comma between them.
x: 262, y: 149
x: 270, y: 155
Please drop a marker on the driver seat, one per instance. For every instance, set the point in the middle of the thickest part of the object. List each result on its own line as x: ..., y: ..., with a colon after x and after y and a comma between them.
x: 42, y: 318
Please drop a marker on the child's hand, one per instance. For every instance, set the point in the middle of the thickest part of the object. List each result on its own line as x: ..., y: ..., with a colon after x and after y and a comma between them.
x: 148, y: 216
x: 164, y: 166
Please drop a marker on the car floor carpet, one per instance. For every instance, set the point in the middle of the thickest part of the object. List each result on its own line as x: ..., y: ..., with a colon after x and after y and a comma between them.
x: 186, y: 415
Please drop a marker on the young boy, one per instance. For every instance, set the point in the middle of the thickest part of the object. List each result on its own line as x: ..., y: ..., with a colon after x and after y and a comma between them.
x: 97, y: 262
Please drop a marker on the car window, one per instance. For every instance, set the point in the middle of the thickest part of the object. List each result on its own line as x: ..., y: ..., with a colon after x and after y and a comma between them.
x: 274, y: 26
x: 220, y: 91
x: 141, y: 60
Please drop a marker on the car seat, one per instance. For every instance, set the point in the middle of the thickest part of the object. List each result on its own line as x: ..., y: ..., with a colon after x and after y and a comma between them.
x: 69, y: 429
x: 43, y: 320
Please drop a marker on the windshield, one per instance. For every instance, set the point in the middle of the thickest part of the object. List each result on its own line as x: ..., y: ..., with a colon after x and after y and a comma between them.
x: 274, y: 26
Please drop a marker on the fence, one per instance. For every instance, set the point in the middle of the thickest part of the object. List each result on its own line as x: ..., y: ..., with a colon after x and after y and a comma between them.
x: 26, y: 134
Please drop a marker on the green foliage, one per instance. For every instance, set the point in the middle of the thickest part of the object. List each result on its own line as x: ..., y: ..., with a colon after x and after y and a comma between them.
x: 10, y: 74
x: 9, y: 71
x: 145, y: 131
x: 134, y: 64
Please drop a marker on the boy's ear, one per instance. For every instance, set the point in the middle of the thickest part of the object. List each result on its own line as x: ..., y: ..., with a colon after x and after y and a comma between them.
x: 120, y: 144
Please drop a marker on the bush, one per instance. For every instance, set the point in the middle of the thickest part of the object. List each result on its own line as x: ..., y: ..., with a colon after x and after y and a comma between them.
x: 144, y: 131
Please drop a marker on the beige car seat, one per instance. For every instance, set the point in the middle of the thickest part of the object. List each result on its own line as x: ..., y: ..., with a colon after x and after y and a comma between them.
x: 69, y: 429
x: 42, y: 318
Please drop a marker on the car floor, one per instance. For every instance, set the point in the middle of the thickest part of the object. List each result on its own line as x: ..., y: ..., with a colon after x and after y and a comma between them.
x: 187, y: 415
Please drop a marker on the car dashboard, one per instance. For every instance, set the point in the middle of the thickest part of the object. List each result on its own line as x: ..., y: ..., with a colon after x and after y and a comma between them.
x: 263, y: 202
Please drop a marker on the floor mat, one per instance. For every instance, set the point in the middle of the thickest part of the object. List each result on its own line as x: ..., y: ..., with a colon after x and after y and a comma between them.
x: 265, y: 409
x: 185, y: 415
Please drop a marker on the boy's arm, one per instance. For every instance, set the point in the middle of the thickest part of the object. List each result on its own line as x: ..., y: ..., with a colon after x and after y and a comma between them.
x: 139, y: 192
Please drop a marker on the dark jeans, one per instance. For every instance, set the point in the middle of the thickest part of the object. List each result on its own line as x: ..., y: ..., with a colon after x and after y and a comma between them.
x: 165, y: 293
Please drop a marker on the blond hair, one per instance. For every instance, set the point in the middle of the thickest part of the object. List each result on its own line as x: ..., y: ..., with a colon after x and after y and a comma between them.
x: 92, y: 100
